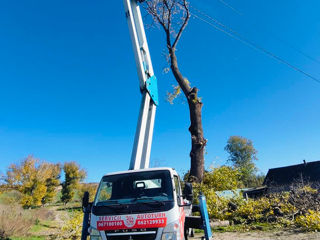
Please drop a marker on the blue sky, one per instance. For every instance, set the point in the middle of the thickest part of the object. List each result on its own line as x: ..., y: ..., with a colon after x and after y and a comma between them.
x: 69, y: 89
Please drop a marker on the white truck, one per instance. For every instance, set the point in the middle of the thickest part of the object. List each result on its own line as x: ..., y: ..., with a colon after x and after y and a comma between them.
x: 141, y: 203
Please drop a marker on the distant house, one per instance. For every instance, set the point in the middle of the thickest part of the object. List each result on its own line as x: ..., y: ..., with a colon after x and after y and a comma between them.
x: 281, y: 179
x: 307, y: 172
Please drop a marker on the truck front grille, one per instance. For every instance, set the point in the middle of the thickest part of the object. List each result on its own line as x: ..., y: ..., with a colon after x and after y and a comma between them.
x: 133, y: 234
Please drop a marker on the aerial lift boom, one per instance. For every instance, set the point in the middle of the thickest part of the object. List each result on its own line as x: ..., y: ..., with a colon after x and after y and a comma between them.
x: 140, y: 157
x: 124, y: 206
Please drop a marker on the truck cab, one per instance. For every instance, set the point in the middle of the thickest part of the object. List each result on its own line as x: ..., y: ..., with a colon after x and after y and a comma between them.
x: 140, y: 204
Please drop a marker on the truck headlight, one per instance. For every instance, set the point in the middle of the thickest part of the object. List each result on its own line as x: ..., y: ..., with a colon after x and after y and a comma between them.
x: 94, y: 234
x: 171, y: 231
x: 169, y: 236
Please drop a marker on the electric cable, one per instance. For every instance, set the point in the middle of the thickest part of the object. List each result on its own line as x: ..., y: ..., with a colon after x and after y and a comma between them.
x: 235, y: 35
x: 273, y: 35
x: 229, y: 6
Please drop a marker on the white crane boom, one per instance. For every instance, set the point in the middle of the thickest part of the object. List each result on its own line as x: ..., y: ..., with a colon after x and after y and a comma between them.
x: 140, y: 157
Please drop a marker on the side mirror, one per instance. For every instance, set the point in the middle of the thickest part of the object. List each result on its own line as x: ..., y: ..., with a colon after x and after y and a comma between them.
x: 185, y: 205
x: 85, y: 200
x: 188, y: 191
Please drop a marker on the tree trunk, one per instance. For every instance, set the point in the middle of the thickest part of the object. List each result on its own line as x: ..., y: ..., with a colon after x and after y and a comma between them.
x: 198, y: 142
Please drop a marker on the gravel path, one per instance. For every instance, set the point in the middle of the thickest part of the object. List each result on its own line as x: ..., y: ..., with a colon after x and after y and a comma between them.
x: 282, y: 235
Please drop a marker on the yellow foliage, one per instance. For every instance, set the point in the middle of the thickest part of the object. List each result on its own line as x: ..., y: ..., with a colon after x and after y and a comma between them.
x: 72, y: 228
x: 38, y: 194
x: 310, y: 222
x: 50, y: 174
x: 104, y: 195
x: 218, y: 179
x: 176, y: 91
x: 254, y: 210
x: 277, y: 207
x: 222, y: 178
x: 26, y: 201
x: 216, y: 205
x: 88, y: 187
x: 35, y: 180
x: 308, y: 189
x: 73, y: 176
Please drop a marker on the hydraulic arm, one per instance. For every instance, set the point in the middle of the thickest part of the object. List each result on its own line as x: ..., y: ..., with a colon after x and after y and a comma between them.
x: 140, y: 157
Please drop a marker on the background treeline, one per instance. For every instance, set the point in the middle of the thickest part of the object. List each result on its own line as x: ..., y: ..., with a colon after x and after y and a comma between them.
x: 38, y: 183
x: 34, y: 192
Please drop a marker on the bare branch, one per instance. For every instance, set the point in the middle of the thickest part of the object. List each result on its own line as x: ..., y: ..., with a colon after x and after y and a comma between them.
x: 185, y: 5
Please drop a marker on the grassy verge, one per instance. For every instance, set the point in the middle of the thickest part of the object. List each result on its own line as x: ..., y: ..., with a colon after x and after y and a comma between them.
x: 28, y: 238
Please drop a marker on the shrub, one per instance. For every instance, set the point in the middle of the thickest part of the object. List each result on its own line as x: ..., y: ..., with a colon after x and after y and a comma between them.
x: 300, y: 206
x: 72, y: 227
x: 271, y: 208
x: 217, y: 206
x: 309, y: 222
x: 43, y: 214
x: 222, y: 178
x: 10, y: 197
x: 14, y: 221
x: 252, y: 210
x: 217, y: 179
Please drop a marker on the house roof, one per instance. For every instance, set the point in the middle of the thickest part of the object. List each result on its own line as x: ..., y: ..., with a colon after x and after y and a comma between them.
x: 308, y: 171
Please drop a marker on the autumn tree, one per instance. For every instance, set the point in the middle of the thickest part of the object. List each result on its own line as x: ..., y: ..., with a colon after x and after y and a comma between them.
x: 242, y: 155
x: 35, y: 180
x: 91, y: 188
x: 73, y: 176
x: 2, y: 183
x: 51, y: 182
x: 173, y: 16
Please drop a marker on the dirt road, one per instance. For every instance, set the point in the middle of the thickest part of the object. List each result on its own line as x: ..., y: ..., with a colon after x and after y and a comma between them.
x: 282, y: 235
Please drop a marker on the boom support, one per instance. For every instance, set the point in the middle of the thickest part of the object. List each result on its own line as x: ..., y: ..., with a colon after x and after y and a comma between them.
x: 140, y: 157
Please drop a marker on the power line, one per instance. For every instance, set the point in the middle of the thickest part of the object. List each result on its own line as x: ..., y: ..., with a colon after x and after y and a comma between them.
x: 235, y: 35
x: 297, y: 50
x: 274, y: 36
x: 229, y: 6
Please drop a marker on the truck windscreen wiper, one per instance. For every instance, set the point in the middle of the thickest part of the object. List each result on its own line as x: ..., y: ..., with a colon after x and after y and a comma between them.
x: 115, y: 207
x: 153, y: 201
x: 111, y: 204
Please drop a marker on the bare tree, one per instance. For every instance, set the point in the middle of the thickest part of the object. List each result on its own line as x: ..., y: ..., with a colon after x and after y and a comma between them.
x: 173, y: 16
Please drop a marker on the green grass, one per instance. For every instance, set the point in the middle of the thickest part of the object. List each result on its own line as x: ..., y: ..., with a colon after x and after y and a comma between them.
x: 36, y: 228
x: 41, y: 227
x: 28, y: 238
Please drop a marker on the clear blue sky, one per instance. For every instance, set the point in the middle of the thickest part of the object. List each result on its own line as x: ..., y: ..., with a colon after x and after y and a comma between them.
x: 69, y: 89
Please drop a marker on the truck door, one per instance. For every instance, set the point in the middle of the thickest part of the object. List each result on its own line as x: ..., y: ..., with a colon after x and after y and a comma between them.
x: 180, y: 202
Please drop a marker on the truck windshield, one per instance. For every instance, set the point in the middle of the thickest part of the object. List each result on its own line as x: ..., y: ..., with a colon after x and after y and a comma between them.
x: 135, y: 187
